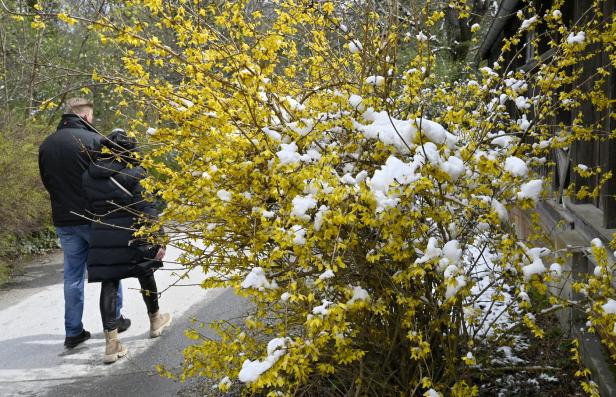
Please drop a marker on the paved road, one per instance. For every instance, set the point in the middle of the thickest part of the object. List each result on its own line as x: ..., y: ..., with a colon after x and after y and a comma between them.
x: 33, y: 361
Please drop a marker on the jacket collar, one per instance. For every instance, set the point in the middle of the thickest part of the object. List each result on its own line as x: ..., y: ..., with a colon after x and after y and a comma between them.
x: 70, y: 120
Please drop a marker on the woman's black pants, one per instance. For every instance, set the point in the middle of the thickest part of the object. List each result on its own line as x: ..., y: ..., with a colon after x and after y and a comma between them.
x: 109, y: 297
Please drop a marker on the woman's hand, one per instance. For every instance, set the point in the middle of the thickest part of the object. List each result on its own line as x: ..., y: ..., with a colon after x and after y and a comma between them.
x: 160, y: 254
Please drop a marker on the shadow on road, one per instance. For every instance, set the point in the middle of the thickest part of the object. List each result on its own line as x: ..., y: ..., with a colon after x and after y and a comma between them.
x: 23, y: 349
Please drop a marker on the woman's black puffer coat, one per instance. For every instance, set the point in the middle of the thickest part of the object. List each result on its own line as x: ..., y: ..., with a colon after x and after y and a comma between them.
x: 117, y: 204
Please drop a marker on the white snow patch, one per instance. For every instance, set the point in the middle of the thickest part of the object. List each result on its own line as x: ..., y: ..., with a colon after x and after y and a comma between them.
x: 497, y: 207
x: 358, y: 294
x: 523, y: 123
x: 609, y: 307
x: 256, y: 279
x: 556, y: 269
x: 394, y: 171
x: 356, y: 102
x: 322, y: 309
x: 432, y: 393
x: 436, y: 133
x: 275, y: 135
x: 288, y: 153
x: 452, y: 251
x: 375, y: 80
x: 454, y: 167
x: 576, y: 38
x: 354, y: 46
x: 536, y: 267
x: 390, y: 131
x: 531, y: 190
x: 502, y: 141
x: 251, y: 370
x: 224, y: 195
x: 318, y: 217
x: 224, y: 382
x: 301, y: 204
x: 596, y: 242
x: 528, y: 22
x: 432, y: 251
x: 299, y: 235
x: 453, y: 288
x: 516, y: 166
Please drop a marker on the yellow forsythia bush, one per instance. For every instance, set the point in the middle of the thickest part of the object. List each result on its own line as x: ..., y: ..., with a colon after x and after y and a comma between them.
x: 316, y: 162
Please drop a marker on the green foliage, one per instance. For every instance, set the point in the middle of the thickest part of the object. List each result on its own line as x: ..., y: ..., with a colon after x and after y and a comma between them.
x: 24, y: 207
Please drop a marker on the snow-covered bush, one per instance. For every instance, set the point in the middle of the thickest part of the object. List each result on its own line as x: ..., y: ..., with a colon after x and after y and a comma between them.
x: 360, y: 203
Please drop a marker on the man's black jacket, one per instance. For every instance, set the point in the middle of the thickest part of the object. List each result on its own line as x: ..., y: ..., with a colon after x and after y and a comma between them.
x: 63, y: 157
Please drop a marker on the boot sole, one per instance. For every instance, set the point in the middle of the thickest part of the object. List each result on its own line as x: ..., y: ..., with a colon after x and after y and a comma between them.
x: 159, y: 331
x: 112, y: 358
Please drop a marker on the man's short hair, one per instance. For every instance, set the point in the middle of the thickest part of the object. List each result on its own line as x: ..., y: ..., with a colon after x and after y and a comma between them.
x: 78, y: 105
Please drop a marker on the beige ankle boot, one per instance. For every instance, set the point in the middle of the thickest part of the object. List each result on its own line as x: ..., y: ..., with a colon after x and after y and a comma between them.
x: 113, y: 347
x: 158, y: 322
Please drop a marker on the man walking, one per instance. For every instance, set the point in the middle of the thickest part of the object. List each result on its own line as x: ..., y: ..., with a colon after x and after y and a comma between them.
x: 63, y: 157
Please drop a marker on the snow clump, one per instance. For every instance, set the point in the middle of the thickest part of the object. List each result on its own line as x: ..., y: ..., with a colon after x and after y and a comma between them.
x: 432, y: 251
x: 596, y: 242
x: 322, y: 309
x: 256, y: 279
x: 609, y: 307
x: 299, y: 235
x: 394, y: 170
x: 531, y: 190
x: 576, y: 38
x: 536, y: 267
x: 356, y: 102
x: 301, y: 204
x: 358, y: 294
x: 454, y: 167
x: 251, y: 370
x: 453, y: 288
x: 436, y: 133
x: 288, y: 153
x: 556, y: 269
x: 224, y: 195
x: 516, y: 166
x: 224, y: 382
x: 354, y: 46
x: 375, y: 80
x: 528, y: 22
x: 432, y: 393
x: 451, y: 251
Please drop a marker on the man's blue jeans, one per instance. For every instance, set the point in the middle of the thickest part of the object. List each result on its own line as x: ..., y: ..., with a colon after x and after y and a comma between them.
x: 74, y: 241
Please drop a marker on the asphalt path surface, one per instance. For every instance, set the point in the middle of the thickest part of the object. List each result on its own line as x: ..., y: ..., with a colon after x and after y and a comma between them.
x: 34, y: 363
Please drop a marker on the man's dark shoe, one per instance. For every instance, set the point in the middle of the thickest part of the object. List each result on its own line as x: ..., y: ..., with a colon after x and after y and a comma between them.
x: 123, y: 324
x: 72, y: 341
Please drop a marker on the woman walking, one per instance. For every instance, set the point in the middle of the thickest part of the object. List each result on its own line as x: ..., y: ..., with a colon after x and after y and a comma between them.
x: 118, y: 208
